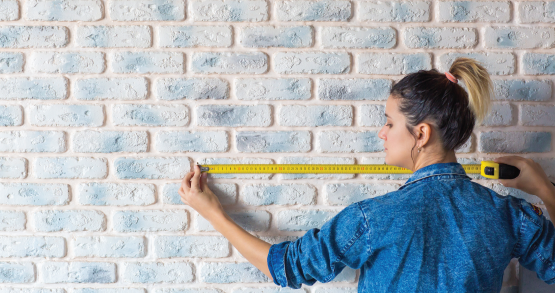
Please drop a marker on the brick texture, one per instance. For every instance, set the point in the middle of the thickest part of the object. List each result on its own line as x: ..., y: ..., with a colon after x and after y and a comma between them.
x: 106, y: 104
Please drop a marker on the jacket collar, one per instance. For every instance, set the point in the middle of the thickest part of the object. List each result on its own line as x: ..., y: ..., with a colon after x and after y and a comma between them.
x: 436, y: 170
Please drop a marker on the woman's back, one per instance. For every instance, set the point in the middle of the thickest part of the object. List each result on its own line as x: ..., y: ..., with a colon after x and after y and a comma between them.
x: 443, y: 232
x: 440, y: 232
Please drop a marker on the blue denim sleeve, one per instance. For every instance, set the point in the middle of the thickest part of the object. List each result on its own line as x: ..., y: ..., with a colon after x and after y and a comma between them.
x: 321, y: 254
x: 536, y: 244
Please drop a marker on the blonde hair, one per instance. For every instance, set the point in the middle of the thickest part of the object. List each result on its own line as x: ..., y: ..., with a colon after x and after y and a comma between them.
x: 478, y: 85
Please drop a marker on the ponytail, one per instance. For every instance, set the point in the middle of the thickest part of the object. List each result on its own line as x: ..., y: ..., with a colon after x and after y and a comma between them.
x: 478, y: 85
x: 428, y: 95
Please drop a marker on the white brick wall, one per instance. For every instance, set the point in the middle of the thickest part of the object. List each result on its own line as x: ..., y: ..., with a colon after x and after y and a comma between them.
x: 106, y: 104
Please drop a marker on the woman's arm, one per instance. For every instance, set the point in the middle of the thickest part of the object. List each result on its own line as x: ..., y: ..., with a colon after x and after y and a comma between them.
x: 197, y: 195
x: 252, y: 248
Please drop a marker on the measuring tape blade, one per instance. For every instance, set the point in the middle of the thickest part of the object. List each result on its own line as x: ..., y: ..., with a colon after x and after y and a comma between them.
x: 487, y: 169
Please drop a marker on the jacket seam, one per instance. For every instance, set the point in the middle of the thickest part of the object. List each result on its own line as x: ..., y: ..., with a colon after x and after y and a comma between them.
x: 516, y: 247
x: 341, y: 255
x: 406, y: 184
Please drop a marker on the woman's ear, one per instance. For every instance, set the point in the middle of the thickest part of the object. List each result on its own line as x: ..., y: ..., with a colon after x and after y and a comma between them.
x: 424, y: 133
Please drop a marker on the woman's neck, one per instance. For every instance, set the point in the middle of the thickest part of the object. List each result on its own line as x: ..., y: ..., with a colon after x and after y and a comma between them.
x: 422, y: 162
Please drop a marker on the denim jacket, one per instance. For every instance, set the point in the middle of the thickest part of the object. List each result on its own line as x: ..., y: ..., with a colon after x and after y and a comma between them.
x: 439, y: 232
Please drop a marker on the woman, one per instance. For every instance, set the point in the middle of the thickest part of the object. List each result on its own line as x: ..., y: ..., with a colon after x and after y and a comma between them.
x: 440, y: 232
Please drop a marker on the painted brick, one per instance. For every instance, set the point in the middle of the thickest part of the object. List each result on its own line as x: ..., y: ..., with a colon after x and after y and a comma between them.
x: 502, y: 190
x: 349, y: 141
x: 519, y: 37
x: 312, y: 62
x: 440, y: 37
x: 68, y: 62
x: 67, y: 115
x: 69, y: 220
x: 251, y: 221
x: 12, y: 221
x: 303, y: 220
x: 193, y: 36
x: 118, y: 88
x: 64, y: 10
x: 17, y: 272
x: 70, y: 168
x: 108, y: 290
x: 474, y: 11
x: 158, y: 272
x: 148, y: 62
x: 223, y: 272
x: 234, y: 115
x: 147, y: 10
x: 191, y: 246
x: 358, y: 37
x: 90, y: 141
x: 229, y: 10
x: 226, y: 193
x: 316, y: 160
x: 394, y: 11
x: 78, y: 272
x: 273, y: 141
x: 10, y: 10
x: 11, y: 62
x: 500, y: 115
x: 282, y: 194
x: 393, y: 63
x: 11, y: 115
x: 354, y: 89
x: 30, y: 290
x: 372, y: 115
x: 537, y: 115
x: 150, y: 115
x: 188, y: 141
x: 313, y: 10
x: 536, y: 11
x: 467, y: 146
x: 344, y: 194
x: 495, y: 63
x: 152, y: 168
x: 150, y: 220
x: 32, y: 246
x: 28, y: 141
x: 33, y: 36
x: 515, y: 142
x: 109, y: 246
x: 277, y: 36
x: 188, y: 290
x: 123, y: 36
x: 13, y: 167
x: 170, y: 89
x: 34, y: 194
x: 537, y: 63
x: 273, y: 89
x: 229, y: 62
x: 116, y: 194
x: 316, y: 115
x: 522, y: 90
x: 39, y: 88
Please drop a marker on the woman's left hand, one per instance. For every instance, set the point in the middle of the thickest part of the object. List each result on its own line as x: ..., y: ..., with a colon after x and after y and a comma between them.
x: 195, y: 193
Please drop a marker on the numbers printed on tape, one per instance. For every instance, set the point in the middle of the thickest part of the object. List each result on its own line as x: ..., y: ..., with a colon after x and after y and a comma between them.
x: 318, y: 168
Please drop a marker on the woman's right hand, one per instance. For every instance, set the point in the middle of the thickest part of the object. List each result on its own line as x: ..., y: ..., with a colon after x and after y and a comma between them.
x: 532, y: 179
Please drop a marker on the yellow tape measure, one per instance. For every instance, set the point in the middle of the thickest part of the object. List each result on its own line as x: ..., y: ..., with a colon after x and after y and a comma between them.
x: 487, y: 169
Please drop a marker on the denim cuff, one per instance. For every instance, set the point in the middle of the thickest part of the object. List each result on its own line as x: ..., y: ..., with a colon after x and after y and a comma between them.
x: 276, y: 263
